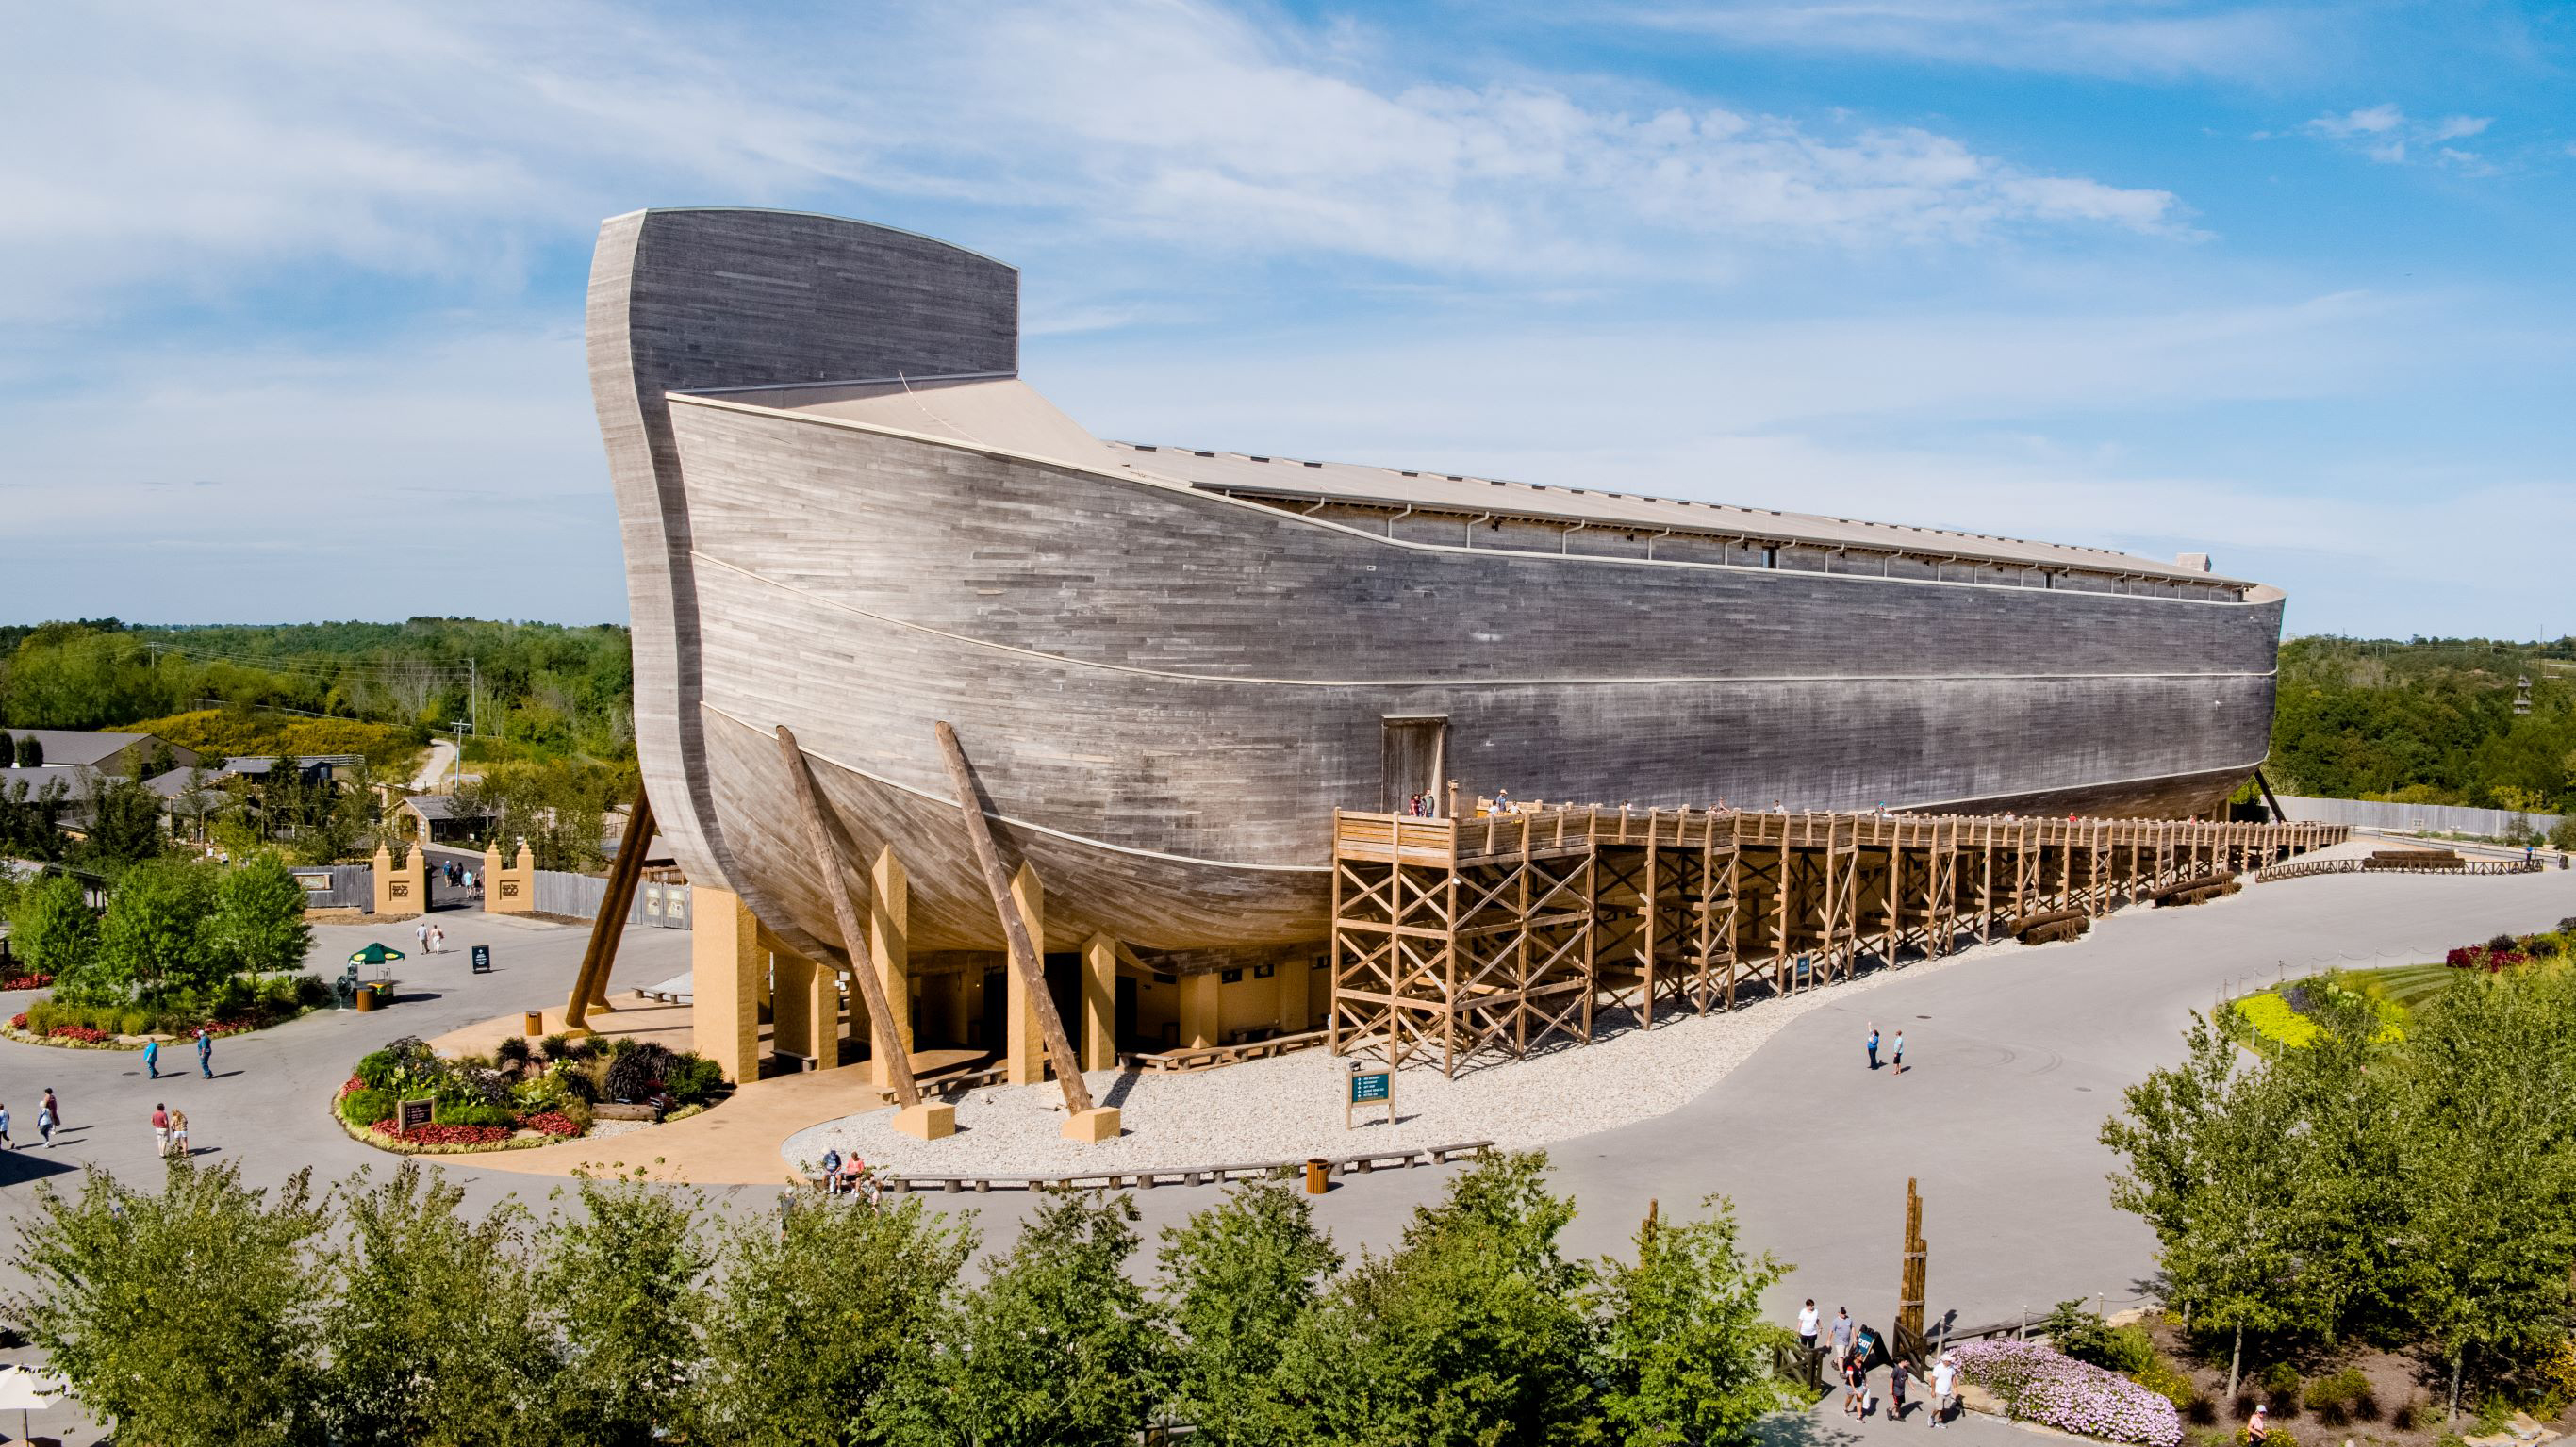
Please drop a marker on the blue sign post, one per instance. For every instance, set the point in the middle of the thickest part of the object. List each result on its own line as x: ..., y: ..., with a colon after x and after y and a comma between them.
x: 1368, y: 1087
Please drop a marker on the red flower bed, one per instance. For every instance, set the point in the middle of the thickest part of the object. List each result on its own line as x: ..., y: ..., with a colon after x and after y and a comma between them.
x: 551, y: 1122
x: 444, y: 1135
x: 2479, y: 957
x: 81, y: 1033
x: 350, y: 1084
x: 18, y: 1021
x: 220, y: 1028
x: 26, y: 982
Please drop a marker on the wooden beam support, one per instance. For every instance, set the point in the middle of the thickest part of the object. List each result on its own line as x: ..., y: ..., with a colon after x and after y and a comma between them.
x: 1015, y: 933
x: 827, y: 859
x: 590, y: 983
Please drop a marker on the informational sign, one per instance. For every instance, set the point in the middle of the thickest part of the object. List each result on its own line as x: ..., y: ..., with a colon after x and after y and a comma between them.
x: 482, y: 959
x: 1368, y: 1087
x: 410, y: 1115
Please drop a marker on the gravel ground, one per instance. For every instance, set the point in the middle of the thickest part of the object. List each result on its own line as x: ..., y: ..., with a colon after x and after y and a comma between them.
x: 1290, y: 1107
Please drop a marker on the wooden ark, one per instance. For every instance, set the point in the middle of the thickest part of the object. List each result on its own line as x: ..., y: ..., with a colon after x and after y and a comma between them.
x: 844, y: 512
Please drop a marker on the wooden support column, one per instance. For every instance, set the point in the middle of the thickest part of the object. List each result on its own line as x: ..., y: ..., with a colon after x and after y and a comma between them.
x: 599, y: 956
x: 1100, y: 1003
x: 725, y: 969
x: 1199, y: 1006
x: 1024, y: 1060
x: 925, y: 1119
x: 890, y: 954
x: 805, y: 1010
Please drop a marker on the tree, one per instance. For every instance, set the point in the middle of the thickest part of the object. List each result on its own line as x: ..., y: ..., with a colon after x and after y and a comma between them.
x: 31, y: 752
x: 1472, y: 1331
x: 124, y: 824
x: 2489, y: 1170
x: 1056, y: 1347
x: 624, y: 1275
x: 31, y: 819
x: 54, y: 931
x: 154, y: 940
x: 435, y: 1334
x: 811, y: 1323
x: 258, y: 921
x: 1239, y: 1278
x: 187, y: 1317
x: 1683, y: 1353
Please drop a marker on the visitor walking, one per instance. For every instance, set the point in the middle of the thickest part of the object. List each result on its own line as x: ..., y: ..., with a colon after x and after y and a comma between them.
x: 51, y: 1106
x: 420, y: 932
x: 1944, y: 1377
x: 205, y: 1053
x: 160, y: 1130
x: 45, y: 1121
x: 179, y: 1133
x: 1897, y: 1376
x: 1842, y: 1332
x: 437, y: 940
x: 1899, y: 1058
x: 1807, y: 1324
x: 1873, y: 1045
x: 1855, y: 1384
x: 2257, y: 1425
x: 4, y: 1127
x: 152, y: 1059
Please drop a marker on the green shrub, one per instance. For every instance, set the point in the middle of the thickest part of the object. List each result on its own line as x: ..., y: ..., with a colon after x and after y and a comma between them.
x: 2160, y: 1377
x: 312, y: 992
x: 378, y: 1068
x: 2082, y: 1334
x: 135, y: 1022
x: 2341, y: 1395
x: 470, y: 1112
x: 2280, y: 1382
x: 365, y: 1107
x: 695, y: 1080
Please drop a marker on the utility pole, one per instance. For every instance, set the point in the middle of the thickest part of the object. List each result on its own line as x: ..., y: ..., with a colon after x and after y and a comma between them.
x: 473, y: 697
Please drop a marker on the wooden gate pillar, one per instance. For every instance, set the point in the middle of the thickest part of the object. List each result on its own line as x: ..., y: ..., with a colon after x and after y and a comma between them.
x: 725, y: 971
x: 890, y: 954
x: 1023, y: 1048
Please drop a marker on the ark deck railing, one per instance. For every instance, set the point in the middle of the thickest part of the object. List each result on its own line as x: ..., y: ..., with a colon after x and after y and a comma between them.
x: 1507, y: 931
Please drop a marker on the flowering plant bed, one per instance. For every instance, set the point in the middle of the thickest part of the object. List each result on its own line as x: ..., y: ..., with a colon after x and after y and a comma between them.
x: 444, y: 1135
x: 25, y: 982
x: 65, y: 1037
x: 2039, y: 1384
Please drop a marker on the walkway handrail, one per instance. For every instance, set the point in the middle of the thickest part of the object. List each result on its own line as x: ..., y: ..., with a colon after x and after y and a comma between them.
x: 1147, y: 1178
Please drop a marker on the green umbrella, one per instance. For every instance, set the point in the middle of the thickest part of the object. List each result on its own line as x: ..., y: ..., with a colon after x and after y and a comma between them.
x: 375, y: 955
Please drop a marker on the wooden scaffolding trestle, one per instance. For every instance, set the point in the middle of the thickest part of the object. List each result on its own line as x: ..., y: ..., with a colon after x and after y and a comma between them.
x: 1505, y: 933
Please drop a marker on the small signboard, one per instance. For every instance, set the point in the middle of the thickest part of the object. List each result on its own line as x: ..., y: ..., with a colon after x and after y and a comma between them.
x: 1368, y: 1087
x: 409, y: 1114
x: 482, y: 959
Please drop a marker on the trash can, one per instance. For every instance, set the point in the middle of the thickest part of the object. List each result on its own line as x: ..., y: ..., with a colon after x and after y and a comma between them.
x: 536, y: 1023
x: 366, y: 998
x: 1316, y: 1174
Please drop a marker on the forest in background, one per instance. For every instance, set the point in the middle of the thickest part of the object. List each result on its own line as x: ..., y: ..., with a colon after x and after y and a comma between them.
x: 2421, y: 720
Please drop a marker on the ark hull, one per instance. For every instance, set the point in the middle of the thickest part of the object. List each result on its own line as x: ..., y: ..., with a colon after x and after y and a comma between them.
x: 1166, y: 691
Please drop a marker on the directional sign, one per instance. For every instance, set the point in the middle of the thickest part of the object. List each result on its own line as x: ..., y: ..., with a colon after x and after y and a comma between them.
x: 1368, y: 1087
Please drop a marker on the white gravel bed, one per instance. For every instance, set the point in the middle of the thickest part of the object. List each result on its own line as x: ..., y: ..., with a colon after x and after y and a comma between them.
x: 1290, y: 1107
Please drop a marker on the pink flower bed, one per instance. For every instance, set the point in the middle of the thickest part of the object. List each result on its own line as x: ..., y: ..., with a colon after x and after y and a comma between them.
x: 2040, y: 1384
x: 26, y: 982
x: 82, y: 1033
x: 444, y: 1135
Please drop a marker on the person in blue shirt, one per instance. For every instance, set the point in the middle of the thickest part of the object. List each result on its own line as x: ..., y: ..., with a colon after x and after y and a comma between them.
x: 152, y: 1059
x: 205, y: 1053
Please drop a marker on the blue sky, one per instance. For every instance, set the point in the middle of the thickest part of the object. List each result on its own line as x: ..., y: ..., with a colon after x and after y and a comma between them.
x: 290, y: 294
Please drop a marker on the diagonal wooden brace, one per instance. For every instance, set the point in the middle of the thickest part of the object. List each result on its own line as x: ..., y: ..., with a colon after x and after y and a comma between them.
x: 854, y: 943
x: 1015, y: 931
x: 590, y: 985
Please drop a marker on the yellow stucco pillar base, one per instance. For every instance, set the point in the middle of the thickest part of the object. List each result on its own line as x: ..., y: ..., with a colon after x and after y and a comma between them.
x: 890, y: 954
x: 726, y: 965
x: 1024, y: 1045
x: 1099, y: 1041
x: 805, y: 1010
x: 1296, y: 1008
x: 931, y: 1120
x: 1199, y: 1010
x: 1093, y: 1126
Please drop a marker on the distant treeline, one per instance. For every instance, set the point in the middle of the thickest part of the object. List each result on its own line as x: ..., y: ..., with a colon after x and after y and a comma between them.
x: 2427, y: 721
x: 547, y: 689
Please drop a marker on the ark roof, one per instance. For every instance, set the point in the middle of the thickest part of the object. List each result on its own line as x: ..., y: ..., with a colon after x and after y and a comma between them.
x: 1005, y: 414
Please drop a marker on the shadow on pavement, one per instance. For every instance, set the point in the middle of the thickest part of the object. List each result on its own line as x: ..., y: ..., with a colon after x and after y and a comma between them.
x: 21, y: 1166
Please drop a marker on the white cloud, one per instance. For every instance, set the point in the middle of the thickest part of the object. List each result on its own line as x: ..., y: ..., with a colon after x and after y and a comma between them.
x: 2129, y: 39
x: 2385, y: 134
x: 447, y: 142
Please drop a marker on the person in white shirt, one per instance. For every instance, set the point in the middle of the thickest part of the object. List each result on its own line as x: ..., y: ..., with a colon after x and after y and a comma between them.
x: 1944, y: 1377
x: 1807, y: 1324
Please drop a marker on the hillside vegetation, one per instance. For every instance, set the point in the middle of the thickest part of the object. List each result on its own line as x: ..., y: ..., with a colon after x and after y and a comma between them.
x: 2429, y: 721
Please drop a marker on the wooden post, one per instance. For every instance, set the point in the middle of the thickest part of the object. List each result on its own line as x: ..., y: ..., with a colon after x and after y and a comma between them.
x: 1025, y: 962
x: 1023, y: 1038
x: 933, y: 1121
x: 1909, y: 1296
x: 1100, y: 1003
x: 890, y: 955
x: 590, y: 985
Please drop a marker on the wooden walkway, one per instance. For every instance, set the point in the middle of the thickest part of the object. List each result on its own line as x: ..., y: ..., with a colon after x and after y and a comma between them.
x: 1506, y: 933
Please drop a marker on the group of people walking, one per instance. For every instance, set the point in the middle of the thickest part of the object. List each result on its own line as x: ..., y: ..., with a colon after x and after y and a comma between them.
x: 205, y: 1056
x: 49, y: 1118
x: 433, y: 940
x: 1851, y: 1348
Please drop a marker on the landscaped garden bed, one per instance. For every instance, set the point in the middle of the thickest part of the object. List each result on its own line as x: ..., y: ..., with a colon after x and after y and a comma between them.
x: 524, y: 1094
x: 2285, y: 1014
x: 239, y: 1007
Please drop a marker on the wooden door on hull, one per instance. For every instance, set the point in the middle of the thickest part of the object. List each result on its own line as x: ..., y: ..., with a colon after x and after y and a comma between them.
x: 1417, y: 751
